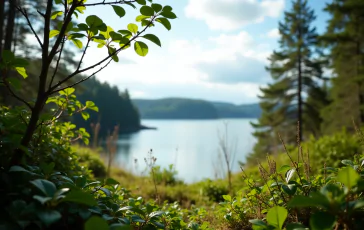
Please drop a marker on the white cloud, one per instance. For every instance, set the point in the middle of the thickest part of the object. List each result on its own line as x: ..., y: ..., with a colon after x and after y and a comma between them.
x: 274, y: 33
x: 233, y: 14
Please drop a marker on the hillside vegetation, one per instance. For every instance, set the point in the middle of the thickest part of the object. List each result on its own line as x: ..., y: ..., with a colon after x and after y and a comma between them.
x: 182, y: 108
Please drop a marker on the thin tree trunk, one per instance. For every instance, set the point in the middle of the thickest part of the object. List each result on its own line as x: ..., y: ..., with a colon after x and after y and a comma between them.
x: 10, y: 25
x: 299, y: 90
x: 2, y: 19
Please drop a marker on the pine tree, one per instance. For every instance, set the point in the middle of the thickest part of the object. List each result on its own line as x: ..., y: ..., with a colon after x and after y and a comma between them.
x: 345, y: 38
x: 295, y: 70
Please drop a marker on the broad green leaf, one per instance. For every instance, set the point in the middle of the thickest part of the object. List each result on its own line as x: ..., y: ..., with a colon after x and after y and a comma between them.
x: 7, y: 56
x: 42, y: 199
x: 141, y: 48
x: 48, y: 217
x: 19, y: 169
x: 133, y: 28
x: 91, y: 105
x: 141, y: 17
x: 130, y: 4
x: 106, y: 191
x: 80, y: 197
x: 19, y: 62
x: 317, y: 199
x: 156, y: 7
x: 85, y: 115
x: 347, y: 162
x: 152, y: 38
x: 15, y: 82
x: 284, y: 169
x: 290, y: 189
x: 125, y: 32
x: 67, y: 91
x: 147, y: 11
x: 119, y: 10
x: 167, y: 9
x: 96, y: 223
x: 348, y: 176
x: 93, y: 21
x: 258, y: 224
x: 168, y: 14
x: 55, y: 14
x: 76, y: 35
x: 295, y: 226
x: 332, y: 192
x: 141, y: 2
x: 226, y: 197
x: 111, y: 181
x: 77, y: 43
x: 322, y: 221
x: 21, y: 71
x: 53, y: 33
x: 157, y: 213
x: 290, y: 174
x: 137, y: 219
x: 45, y: 186
x: 276, y: 216
x: 165, y: 22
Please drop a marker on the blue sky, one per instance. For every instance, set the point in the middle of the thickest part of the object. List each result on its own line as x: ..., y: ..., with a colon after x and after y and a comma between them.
x: 216, y: 50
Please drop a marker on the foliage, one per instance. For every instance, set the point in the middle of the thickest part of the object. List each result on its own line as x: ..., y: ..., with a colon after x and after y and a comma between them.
x: 165, y: 176
x: 214, y: 191
x: 291, y: 197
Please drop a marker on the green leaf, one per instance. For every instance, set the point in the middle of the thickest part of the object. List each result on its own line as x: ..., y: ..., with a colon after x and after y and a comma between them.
x: 258, y: 224
x: 347, y: 162
x: 167, y: 9
x: 93, y: 21
x: 290, y: 174
x: 111, y: 181
x: 295, y: 226
x: 317, y: 199
x: 55, y: 14
x: 289, y: 189
x: 168, y: 14
x: 91, y: 105
x: 322, y: 221
x: 19, y: 169
x: 77, y: 43
x: 137, y: 219
x: 284, y: 169
x: 53, y: 33
x: 226, y: 197
x: 152, y: 38
x: 125, y: 32
x: 156, y: 7
x: 147, y: 11
x: 276, y: 216
x: 119, y: 10
x: 19, y: 62
x: 141, y: 17
x: 45, y: 186
x: 141, y: 2
x: 96, y: 223
x: 42, y: 199
x: 15, y: 82
x: 141, y: 48
x: 348, y: 176
x: 7, y: 56
x: 49, y: 217
x: 120, y: 227
x: 80, y: 197
x: 21, y: 71
x: 165, y: 22
x: 157, y: 213
x: 67, y: 91
x: 133, y: 28
x: 85, y: 115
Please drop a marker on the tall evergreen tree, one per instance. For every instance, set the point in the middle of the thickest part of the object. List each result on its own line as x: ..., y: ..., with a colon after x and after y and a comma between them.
x: 345, y: 38
x: 295, y: 70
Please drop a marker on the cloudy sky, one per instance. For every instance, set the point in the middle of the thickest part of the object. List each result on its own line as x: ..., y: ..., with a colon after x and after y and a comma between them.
x: 216, y: 50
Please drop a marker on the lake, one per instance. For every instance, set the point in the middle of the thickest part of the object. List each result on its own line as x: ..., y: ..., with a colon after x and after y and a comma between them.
x: 192, y: 146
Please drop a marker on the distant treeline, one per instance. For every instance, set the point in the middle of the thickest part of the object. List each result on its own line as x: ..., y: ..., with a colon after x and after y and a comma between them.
x: 181, y: 108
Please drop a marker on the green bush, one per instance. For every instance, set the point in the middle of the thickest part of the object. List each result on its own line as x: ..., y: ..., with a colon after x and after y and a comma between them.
x: 214, y: 191
x: 91, y: 160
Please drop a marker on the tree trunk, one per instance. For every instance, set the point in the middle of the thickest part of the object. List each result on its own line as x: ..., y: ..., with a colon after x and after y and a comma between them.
x: 10, y: 25
x: 2, y: 19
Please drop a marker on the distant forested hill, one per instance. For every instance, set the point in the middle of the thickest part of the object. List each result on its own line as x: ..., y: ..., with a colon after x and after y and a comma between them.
x: 181, y: 108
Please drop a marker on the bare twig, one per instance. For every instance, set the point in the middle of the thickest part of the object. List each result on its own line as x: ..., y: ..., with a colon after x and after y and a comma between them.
x: 25, y: 14
x: 16, y: 96
x: 57, y: 64
x: 108, y: 3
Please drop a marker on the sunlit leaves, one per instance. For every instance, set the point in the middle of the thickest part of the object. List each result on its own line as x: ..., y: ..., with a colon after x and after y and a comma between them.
x: 348, y: 176
x: 153, y: 38
x: 141, y: 17
x: 165, y: 22
x: 53, y: 33
x: 141, y: 48
x: 55, y: 14
x: 119, y: 10
x: 276, y: 216
x: 22, y: 71
x: 77, y: 43
x: 133, y: 28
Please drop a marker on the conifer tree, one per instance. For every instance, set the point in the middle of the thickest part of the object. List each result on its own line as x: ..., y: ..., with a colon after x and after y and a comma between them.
x: 295, y: 70
x: 345, y: 38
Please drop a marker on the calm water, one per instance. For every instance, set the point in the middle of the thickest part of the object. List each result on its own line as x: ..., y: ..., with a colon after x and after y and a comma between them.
x: 191, y: 145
